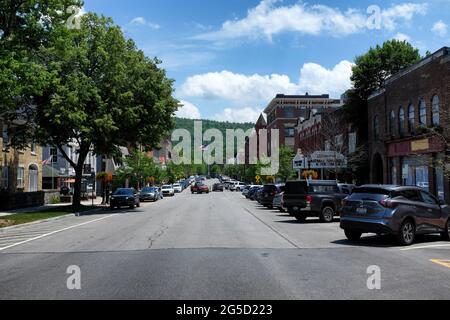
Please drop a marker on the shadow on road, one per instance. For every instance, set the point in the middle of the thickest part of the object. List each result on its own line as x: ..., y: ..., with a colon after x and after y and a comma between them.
x: 385, y: 241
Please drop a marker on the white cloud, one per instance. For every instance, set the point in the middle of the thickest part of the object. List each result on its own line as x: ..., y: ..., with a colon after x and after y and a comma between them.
x: 262, y: 88
x: 402, y: 37
x: 267, y: 19
x: 440, y: 28
x: 188, y: 110
x: 141, y: 21
x: 238, y: 115
x: 316, y: 79
x: 238, y: 87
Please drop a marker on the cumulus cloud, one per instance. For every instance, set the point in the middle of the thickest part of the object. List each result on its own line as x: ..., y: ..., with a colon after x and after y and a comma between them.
x: 188, y: 110
x: 440, y: 28
x: 268, y: 19
x: 256, y: 88
x: 141, y: 21
x: 238, y: 115
x: 402, y: 37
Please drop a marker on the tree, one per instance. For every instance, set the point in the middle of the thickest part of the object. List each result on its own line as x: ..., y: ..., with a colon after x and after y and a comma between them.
x: 102, y: 93
x: 137, y: 169
x: 286, y: 170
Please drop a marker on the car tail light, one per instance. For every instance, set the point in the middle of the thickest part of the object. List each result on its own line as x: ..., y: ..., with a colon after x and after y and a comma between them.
x: 273, y: 194
x: 309, y: 199
x: 387, y: 203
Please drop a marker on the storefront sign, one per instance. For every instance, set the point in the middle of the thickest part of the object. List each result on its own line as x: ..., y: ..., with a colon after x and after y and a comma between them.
x: 420, y: 145
x: 320, y: 160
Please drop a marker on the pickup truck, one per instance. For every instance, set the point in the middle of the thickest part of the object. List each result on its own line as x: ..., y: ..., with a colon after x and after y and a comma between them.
x: 313, y: 198
x: 199, y: 188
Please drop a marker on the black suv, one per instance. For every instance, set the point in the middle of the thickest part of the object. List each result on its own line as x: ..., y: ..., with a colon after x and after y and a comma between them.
x: 313, y: 198
x: 268, y: 193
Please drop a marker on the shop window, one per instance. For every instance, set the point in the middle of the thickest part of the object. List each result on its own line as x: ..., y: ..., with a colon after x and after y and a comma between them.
x: 394, y: 174
x: 422, y: 113
x: 440, y: 190
x: 401, y: 121
x: 289, y: 132
x: 436, y: 110
x: 411, y: 118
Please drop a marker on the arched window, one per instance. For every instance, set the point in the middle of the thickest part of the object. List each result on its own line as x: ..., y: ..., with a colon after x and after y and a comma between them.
x: 411, y: 118
x: 401, y: 121
x: 392, y: 123
x: 33, y: 172
x: 436, y: 110
x: 422, y: 113
x: 376, y: 127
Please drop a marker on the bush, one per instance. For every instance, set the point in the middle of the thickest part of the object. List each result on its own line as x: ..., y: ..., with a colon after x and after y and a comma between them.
x: 55, y: 200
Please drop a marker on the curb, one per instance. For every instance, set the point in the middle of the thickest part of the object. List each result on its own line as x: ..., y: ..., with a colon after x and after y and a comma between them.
x: 51, y: 219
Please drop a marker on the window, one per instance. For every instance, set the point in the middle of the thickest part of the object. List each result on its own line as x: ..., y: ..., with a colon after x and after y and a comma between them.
x: 289, y: 132
x: 411, y: 195
x: 411, y: 118
x: 5, y: 177
x: 376, y: 127
x: 5, y: 134
x: 392, y: 123
x: 54, y: 154
x: 20, y: 176
x: 428, y: 198
x: 339, y: 140
x: 394, y: 174
x: 32, y: 178
x: 289, y: 112
x: 422, y: 113
x: 33, y: 147
x: 352, y: 142
x: 401, y: 121
x: 436, y: 110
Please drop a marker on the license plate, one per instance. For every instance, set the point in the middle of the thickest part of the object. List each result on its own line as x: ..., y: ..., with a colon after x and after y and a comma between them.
x: 361, y: 210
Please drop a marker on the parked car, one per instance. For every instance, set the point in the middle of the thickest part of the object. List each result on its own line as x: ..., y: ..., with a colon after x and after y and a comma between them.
x: 217, y: 187
x: 252, y: 193
x: 401, y: 211
x: 168, y: 190
x: 199, y: 188
x: 246, y: 190
x: 177, y: 188
x: 237, y: 186
x: 268, y: 193
x: 228, y: 183
x: 149, y: 194
x: 278, y: 202
x: 125, y: 197
x: 313, y: 198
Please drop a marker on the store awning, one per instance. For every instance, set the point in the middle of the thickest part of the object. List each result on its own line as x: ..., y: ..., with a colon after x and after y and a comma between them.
x: 49, y: 172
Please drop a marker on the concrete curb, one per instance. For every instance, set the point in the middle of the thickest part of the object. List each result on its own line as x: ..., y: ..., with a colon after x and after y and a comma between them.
x: 51, y: 219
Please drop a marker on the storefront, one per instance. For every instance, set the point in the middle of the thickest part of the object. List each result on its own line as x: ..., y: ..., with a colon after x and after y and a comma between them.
x: 414, y: 163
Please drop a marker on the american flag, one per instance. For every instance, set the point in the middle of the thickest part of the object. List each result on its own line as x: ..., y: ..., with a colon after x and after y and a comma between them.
x: 48, y: 161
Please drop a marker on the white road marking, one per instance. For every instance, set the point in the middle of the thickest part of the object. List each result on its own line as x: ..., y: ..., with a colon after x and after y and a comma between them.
x: 54, y: 232
x: 426, y: 247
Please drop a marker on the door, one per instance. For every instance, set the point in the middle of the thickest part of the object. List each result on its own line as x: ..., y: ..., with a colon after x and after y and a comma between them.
x: 417, y: 207
x: 433, y: 212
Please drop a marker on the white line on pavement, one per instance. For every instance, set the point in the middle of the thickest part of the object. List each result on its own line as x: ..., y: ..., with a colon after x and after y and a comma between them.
x: 54, y: 232
x: 426, y: 247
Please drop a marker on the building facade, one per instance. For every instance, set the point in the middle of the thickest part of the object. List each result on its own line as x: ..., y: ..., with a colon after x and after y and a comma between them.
x: 284, y: 111
x: 403, y: 118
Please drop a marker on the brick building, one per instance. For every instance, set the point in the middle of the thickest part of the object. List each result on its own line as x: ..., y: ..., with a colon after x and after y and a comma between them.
x: 402, y: 149
x: 284, y: 111
x: 21, y: 174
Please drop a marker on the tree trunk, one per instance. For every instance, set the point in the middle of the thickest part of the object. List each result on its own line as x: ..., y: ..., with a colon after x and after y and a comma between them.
x: 77, y: 189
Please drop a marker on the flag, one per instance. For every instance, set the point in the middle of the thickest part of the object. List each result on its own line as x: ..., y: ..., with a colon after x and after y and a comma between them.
x: 48, y: 161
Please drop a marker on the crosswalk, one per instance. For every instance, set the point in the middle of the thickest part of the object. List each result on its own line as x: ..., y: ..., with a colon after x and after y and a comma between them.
x: 16, y: 236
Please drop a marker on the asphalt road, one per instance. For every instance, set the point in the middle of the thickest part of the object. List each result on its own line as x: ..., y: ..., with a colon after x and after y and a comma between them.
x: 216, y: 246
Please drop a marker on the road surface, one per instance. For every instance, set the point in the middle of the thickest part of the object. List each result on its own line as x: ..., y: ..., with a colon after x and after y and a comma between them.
x: 215, y: 246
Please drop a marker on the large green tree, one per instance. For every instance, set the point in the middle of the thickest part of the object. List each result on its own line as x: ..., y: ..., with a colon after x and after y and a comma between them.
x: 286, y: 170
x: 101, y: 92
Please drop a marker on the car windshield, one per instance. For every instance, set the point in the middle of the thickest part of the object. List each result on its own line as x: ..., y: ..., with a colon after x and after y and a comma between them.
x: 123, y: 192
x: 149, y: 189
x: 167, y: 187
x: 296, y: 187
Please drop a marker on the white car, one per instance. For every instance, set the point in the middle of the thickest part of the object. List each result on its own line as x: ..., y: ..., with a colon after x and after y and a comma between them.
x: 237, y: 186
x: 177, y: 188
x: 168, y: 190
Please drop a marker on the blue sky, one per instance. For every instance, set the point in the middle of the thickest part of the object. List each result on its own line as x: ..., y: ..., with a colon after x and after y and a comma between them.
x: 230, y: 57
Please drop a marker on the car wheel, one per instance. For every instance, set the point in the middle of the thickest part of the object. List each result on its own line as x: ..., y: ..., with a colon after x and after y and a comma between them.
x: 353, y: 235
x: 282, y: 210
x: 112, y: 207
x: 446, y: 233
x: 407, y: 233
x: 132, y: 206
x: 327, y: 214
x: 138, y: 205
x: 270, y: 206
x: 300, y: 217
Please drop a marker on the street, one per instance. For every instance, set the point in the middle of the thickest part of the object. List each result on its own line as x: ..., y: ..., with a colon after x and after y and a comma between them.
x: 215, y: 246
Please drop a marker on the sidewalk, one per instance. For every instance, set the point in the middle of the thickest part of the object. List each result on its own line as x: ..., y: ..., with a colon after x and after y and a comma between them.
x: 87, y: 203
